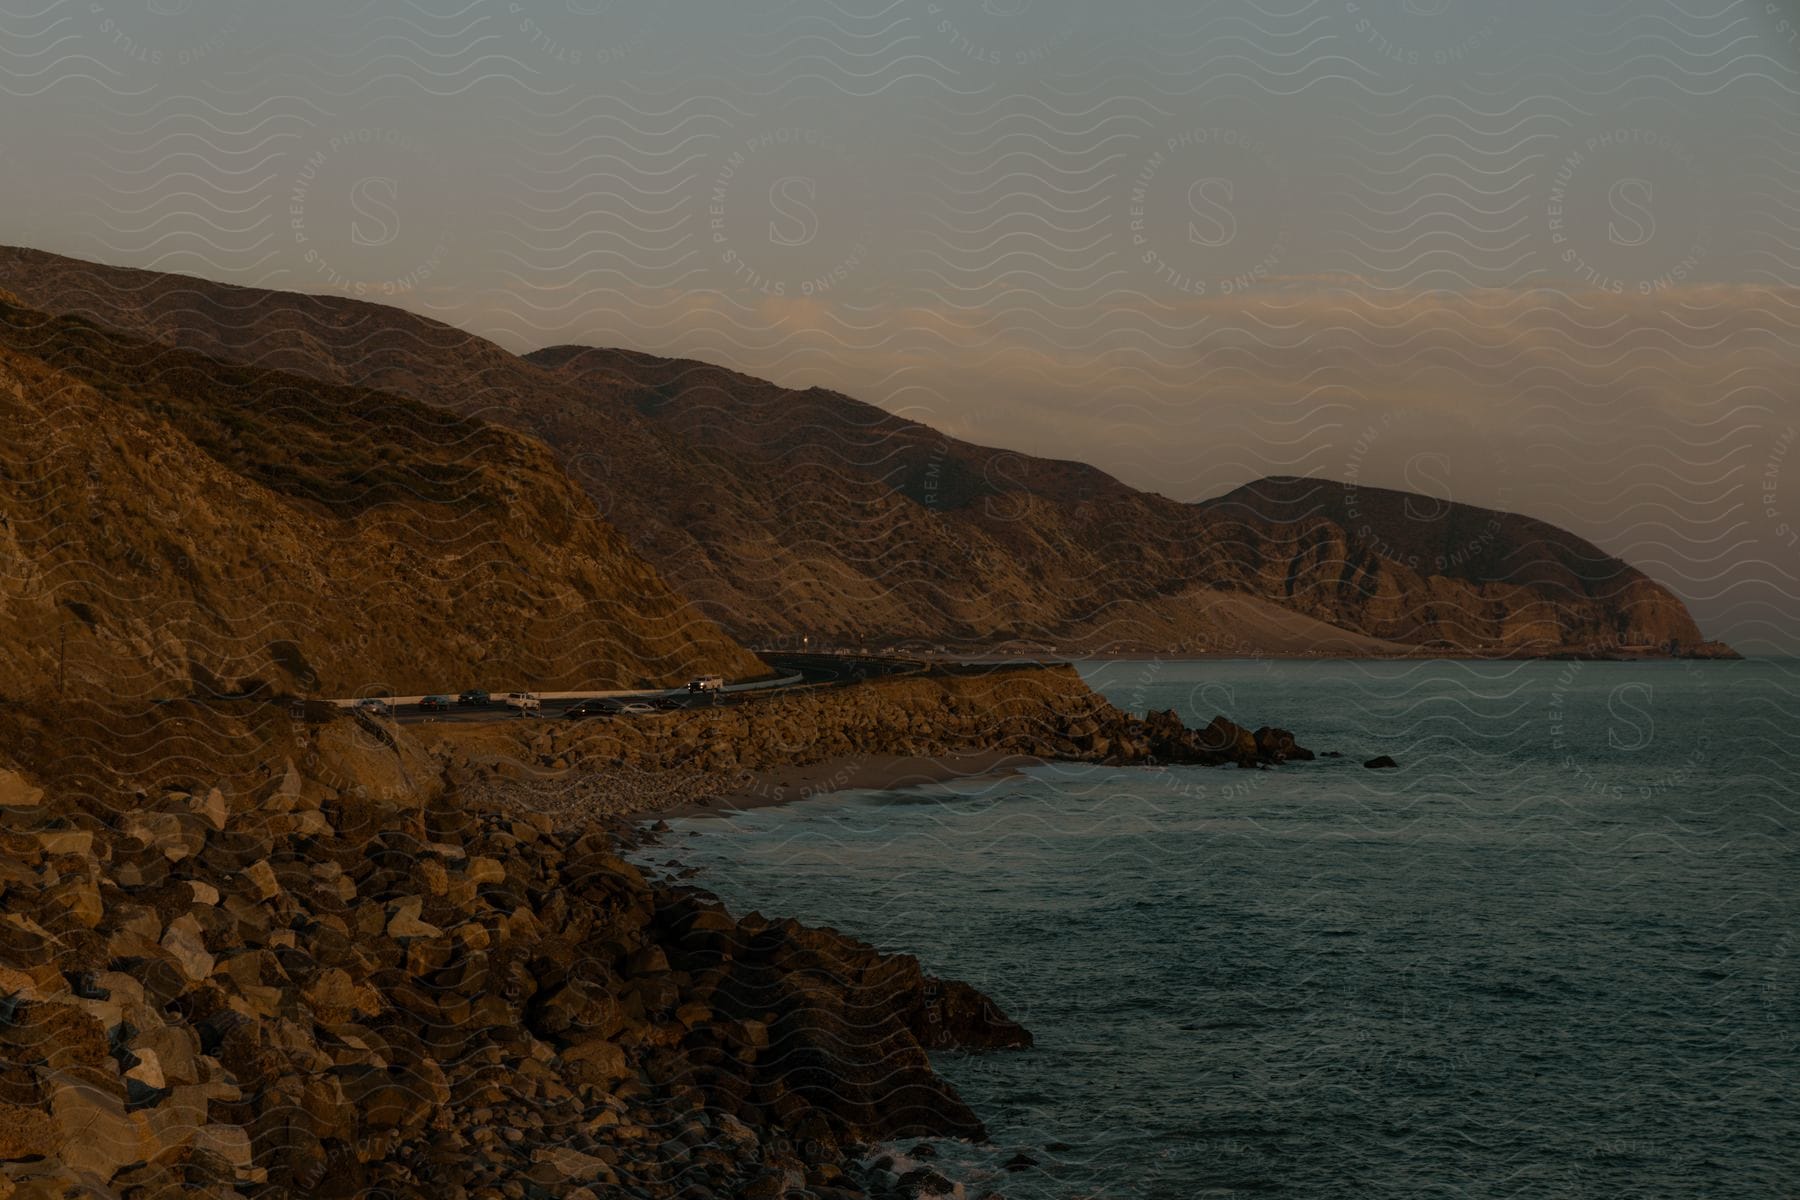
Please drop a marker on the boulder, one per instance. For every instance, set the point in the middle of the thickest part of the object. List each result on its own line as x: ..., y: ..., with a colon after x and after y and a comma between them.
x: 924, y: 1181
x: 229, y: 1142
x: 210, y: 808
x: 60, y: 1033
x: 169, y: 833
x: 32, y: 981
x: 337, y: 999
x: 187, y: 944
x: 175, y: 1051
x: 1278, y: 745
x: 147, y: 1070
x: 25, y: 1133
x: 1381, y: 763
x: 78, y: 842
x: 956, y: 1015
x: 93, y: 1131
x: 405, y: 922
x: 567, y: 1166
x: 78, y: 896
x: 1228, y: 741
x: 17, y: 792
x: 597, y: 1062
x: 261, y: 878
x: 485, y: 870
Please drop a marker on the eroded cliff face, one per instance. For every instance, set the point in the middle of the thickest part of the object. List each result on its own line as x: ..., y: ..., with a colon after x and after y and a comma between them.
x: 170, y: 524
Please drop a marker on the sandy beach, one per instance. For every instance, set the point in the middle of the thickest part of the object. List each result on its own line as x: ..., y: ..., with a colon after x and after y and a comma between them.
x: 784, y: 785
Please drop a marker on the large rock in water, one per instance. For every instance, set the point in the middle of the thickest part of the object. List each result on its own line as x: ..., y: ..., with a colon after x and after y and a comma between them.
x: 1229, y: 740
x: 1162, y: 737
x: 1278, y: 745
x: 850, y: 1057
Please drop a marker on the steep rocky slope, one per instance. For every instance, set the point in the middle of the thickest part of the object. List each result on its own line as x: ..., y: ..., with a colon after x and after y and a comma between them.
x: 783, y: 512
x: 251, y: 951
x: 266, y: 948
x: 170, y: 523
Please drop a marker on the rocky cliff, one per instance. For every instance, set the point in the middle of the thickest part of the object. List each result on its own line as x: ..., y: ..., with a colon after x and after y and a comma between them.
x: 172, y: 524
x: 781, y: 512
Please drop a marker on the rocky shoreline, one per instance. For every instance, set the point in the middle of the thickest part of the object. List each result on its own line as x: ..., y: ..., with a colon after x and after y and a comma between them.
x: 257, y: 950
x: 721, y: 757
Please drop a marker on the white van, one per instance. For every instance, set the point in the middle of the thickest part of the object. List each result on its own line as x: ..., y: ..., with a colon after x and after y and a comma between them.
x: 707, y: 683
x: 523, y: 701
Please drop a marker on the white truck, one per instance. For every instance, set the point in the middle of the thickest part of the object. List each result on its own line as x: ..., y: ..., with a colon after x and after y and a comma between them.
x: 524, y: 702
x: 707, y: 683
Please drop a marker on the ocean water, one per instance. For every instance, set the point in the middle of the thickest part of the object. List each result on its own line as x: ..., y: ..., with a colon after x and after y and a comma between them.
x: 1555, y: 954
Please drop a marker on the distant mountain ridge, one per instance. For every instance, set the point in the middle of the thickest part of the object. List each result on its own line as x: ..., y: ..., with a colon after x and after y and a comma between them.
x: 783, y: 512
x: 1463, y: 541
x: 1462, y: 565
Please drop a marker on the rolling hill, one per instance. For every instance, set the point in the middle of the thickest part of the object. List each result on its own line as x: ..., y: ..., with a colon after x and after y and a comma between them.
x: 171, y: 524
x: 783, y: 512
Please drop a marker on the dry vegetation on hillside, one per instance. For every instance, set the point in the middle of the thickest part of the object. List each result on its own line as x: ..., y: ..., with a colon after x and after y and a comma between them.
x: 171, y: 523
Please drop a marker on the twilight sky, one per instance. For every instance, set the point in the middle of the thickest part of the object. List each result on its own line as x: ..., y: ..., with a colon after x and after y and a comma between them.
x: 1538, y: 255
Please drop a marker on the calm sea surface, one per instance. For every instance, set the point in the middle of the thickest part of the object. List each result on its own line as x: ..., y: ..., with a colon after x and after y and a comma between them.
x: 1556, y: 954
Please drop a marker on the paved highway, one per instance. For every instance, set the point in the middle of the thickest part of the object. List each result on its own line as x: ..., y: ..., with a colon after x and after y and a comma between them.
x: 793, y: 672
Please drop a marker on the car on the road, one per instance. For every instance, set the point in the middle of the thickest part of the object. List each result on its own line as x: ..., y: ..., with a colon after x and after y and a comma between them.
x: 592, y: 708
x: 636, y: 708
x: 523, y: 701
x: 707, y: 683
x: 375, y: 707
x: 435, y: 704
x: 475, y: 696
x: 670, y: 703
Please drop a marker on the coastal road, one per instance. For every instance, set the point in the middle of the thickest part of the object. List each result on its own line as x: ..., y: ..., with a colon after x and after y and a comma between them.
x: 790, y: 673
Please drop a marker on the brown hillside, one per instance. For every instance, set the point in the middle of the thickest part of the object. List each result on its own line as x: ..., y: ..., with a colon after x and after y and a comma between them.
x: 783, y: 512
x: 170, y: 523
x: 1510, y: 579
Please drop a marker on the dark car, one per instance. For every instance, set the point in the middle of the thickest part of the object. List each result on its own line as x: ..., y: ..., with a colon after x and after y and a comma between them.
x: 474, y: 697
x: 375, y: 707
x: 592, y: 708
x: 670, y: 703
x: 435, y: 704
